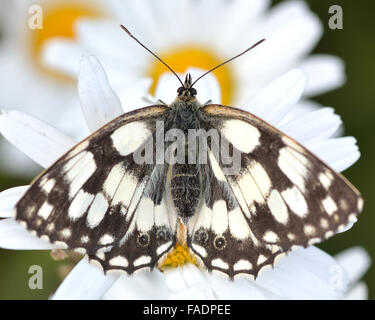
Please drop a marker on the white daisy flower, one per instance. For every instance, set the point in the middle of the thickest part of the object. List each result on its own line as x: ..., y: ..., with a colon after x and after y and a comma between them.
x: 26, y: 83
x: 303, y: 274
x: 202, y: 34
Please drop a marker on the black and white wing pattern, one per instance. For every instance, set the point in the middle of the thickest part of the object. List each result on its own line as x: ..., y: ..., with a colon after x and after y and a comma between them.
x: 90, y: 200
x: 283, y: 196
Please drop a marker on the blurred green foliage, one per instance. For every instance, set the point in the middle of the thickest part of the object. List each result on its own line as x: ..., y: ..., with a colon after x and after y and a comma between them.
x: 354, y: 102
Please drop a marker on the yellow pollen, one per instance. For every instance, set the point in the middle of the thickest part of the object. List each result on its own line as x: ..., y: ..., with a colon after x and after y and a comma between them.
x: 58, y: 21
x: 178, y: 257
x: 180, y: 59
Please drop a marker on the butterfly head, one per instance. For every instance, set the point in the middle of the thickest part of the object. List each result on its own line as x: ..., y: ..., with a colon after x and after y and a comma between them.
x: 187, y: 91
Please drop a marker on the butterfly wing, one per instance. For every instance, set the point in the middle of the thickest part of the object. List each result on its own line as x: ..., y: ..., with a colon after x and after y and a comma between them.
x: 98, y: 200
x: 282, y: 196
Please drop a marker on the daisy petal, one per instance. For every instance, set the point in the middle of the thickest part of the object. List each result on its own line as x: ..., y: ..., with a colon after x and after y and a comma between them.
x: 302, y: 108
x: 314, y: 126
x: 291, y: 30
x: 238, y: 289
x: 338, y: 153
x: 275, y: 100
x: 63, y: 55
x: 84, y: 282
x: 132, y: 96
x: 305, y: 274
x: 164, y: 87
x: 188, y: 282
x: 8, y: 200
x: 324, y: 72
x: 33, y: 137
x: 99, y: 102
x: 355, y: 262
x: 358, y: 292
x: 15, y: 236
x: 138, y: 286
x: 246, y: 14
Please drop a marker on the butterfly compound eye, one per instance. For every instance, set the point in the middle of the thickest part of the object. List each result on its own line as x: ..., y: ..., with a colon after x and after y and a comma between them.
x: 180, y: 90
x: 193, y: 92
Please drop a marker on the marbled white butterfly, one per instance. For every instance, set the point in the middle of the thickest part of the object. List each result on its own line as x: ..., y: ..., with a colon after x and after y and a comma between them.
x: 127, y: 214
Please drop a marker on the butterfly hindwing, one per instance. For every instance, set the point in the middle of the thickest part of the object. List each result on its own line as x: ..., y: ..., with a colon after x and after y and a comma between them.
x: 221, y: 237
x: 90, y: 199
x: 284, y: 197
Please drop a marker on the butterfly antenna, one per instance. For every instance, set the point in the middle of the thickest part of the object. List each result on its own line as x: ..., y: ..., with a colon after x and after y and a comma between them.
x: 229, y: 60
x: 142, y: 45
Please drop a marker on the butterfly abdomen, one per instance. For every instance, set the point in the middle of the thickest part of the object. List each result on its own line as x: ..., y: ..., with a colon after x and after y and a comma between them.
x: 185, y: 188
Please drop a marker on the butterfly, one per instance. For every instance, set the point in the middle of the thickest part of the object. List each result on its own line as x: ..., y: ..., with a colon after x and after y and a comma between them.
x: 232, y: 188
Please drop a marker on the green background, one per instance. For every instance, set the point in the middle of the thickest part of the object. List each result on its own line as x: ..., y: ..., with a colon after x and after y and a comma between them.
x: 354, y: 102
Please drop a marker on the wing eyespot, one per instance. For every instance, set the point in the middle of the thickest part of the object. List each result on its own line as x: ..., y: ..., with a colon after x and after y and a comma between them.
x: 220, y: 243
x: 143, y: 239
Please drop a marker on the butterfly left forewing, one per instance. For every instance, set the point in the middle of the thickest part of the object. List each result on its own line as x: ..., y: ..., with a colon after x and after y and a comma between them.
x: 285, y: 196
x: 90, y: 200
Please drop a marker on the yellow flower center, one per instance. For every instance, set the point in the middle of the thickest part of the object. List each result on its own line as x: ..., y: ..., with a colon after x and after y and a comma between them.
x: 58, y: 21
x: 179, y: 59
x: 179, y: 256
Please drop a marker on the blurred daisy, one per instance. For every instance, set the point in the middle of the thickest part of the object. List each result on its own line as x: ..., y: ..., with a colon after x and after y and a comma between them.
x: 26, y: 83
x: 303, y: 274
x: 201, y: 34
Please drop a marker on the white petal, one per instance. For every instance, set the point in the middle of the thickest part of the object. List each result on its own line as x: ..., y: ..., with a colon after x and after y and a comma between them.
x: 8, y: 200
x: 291, y: 31
x: 133, y: 96
x: 99, y: 102
x: 238, y: 289
x: 105, y: 39
x: 358, y: 292
x: 275, y: 100
x: 187, y: 282
x: 15, y: 236
x: 166, y: 88
x: 63, y: 55
x: 338, y: 153
x: 84, y: 282
x: 300, y: 109
x: 41, y: 142
x: 246, y: 15
x: 324, y: 72
x: 355, y: 262
x: 139, y: 286
x: 314, y: 126
x: 305, y: 274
